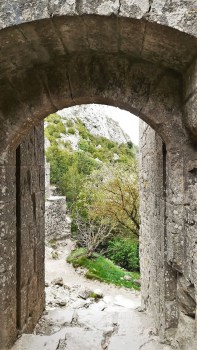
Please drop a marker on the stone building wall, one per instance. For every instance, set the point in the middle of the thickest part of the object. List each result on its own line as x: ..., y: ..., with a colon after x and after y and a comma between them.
x: 7, y: 249
x: 30, y: 177
x: 22, y: 237
x: 168, y: 237
x: 152, y: 208
x: 47, y: 179
x: 58, y: 54
x: 158, y: 278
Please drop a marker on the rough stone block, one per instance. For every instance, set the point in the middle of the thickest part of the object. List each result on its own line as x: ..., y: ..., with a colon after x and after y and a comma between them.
x: 99, y: 7
x: 190, y: 80
x: 191, y: 114
x: 134, y: 8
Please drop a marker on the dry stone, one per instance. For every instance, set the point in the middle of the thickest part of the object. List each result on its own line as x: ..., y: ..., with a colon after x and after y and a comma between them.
x: 57, y: 222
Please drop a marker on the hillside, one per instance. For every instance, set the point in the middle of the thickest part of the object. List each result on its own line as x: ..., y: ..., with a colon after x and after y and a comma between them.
x: 72, y: 135
x: 97, y: 120
x: 99, y: 178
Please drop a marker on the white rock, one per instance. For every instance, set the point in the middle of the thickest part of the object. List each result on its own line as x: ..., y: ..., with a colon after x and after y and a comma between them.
x: 98, y: 292
x: 127, y: 278
x: 125, y: 302
x: 58, y: 281
x: 85, y: 293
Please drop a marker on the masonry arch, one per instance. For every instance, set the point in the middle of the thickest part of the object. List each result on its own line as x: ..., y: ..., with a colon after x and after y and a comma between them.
x: 136, y: 65
x: 53, y: 63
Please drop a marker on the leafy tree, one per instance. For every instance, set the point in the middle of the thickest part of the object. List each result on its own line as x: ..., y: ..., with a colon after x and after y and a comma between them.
x: 102, y: 196
x: 59, y: 163
x: 112, y: 192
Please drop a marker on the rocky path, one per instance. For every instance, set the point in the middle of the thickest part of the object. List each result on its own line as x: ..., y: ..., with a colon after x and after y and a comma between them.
x: 75, y: 321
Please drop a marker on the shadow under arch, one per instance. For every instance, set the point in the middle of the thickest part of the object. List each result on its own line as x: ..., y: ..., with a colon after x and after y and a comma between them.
x: 54, y: 63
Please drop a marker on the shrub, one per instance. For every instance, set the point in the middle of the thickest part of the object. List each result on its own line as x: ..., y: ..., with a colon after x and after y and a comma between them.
x: 83, y: 131
x: 124, y: 252
x: 69, y: 123
x: 53, y: 118
x: 54, y: 128
x: 84, y: 145
x: 71, y: 131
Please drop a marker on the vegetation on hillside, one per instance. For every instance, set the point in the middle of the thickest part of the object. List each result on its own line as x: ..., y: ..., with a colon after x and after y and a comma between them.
x: 102, y: 269
x: 100, y: 180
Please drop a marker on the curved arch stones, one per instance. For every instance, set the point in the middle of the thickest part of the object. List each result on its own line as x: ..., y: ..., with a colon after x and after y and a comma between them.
x: 138, y: 57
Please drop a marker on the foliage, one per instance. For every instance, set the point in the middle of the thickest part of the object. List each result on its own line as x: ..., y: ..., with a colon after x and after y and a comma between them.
x: 112, y: 192
x: 102, y: 269
x: 69, y: 123
x: 124, y: 252
x: 101, y: 191
x: 54, y: 128
x: 68, y: 170
x: 59, y: 163
x: 71, y: 130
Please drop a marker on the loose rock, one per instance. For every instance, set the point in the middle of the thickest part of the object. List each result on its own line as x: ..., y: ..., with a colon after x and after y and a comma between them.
x: 58, y: 281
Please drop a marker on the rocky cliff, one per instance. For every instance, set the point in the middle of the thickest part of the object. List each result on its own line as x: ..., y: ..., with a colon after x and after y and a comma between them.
x: 98, y: 121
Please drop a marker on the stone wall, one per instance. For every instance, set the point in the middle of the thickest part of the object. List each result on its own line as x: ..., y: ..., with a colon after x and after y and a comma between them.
x: 30, y: 177
x: 168, y: 237
x: 7, y: 249
x: 152, y: 210
x: 47, y: 179
x: 22, y: 237
x: 55, y: 54
x: 166, y: 12
x: 57, y: 221
x: 158, y: 279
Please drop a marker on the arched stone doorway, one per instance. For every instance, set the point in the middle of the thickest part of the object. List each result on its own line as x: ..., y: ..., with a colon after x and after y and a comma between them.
x: 143, y: 67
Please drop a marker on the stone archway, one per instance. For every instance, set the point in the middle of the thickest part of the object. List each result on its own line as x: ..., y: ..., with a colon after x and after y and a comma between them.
x: 134, y: 64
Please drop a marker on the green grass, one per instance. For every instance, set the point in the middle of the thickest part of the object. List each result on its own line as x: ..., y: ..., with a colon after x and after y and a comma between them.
x: 102, y: 269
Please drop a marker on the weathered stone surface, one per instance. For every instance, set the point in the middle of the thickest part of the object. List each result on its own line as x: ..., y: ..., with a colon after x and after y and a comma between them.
x: 176, y: 248
x: 152, y: 208
x: 134, y: 8
x: 186, y: 297
x: 47, y: 75
x: 175, y: 14
x: 8, y: 249
x: 172, y: 14
x: 22, y: 229
x: 190, y: 97
x: 100, y: 7
x: 30, y: 219
x: 57, y: 223
x: 58, y: 54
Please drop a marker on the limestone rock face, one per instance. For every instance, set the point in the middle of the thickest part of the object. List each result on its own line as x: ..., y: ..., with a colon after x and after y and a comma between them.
x: 97, y: 120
